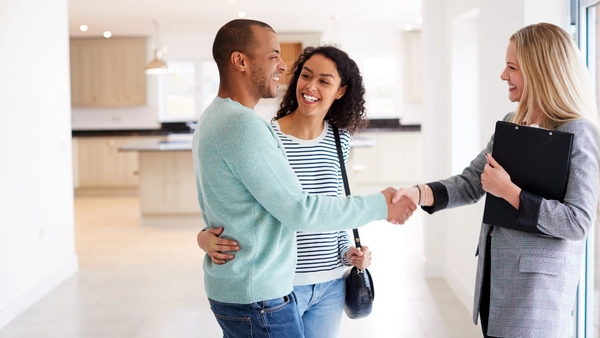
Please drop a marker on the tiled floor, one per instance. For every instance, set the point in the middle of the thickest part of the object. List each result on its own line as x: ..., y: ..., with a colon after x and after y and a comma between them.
x: 146, y: 282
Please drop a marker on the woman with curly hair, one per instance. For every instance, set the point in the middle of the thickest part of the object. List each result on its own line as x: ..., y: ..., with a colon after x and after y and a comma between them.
x: 325, y: 91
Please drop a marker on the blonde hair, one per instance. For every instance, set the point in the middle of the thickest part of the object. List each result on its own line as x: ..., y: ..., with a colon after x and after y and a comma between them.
x: 557, y: 82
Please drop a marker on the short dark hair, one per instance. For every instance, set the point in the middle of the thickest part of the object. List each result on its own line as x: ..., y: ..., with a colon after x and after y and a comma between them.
x: 348, y: 112
x: 235, y: 36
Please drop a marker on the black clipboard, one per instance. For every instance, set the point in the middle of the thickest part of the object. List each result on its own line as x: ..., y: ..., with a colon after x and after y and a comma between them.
x: 537, y: 161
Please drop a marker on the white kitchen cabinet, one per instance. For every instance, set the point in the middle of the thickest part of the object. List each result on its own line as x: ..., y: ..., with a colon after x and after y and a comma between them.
x: 395, y: 160
x: 100, y: 164
x: 108, y: 72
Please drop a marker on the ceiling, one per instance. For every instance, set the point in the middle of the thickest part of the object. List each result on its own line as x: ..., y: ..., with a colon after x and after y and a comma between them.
x: 135, y: 17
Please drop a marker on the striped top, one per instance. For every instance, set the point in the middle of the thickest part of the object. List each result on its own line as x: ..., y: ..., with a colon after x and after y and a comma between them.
x: 321, y: 255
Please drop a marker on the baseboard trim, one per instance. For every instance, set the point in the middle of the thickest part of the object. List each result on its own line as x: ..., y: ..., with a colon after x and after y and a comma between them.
x: 15, y: 307
x: 81, y: 192
x: 463, y: 293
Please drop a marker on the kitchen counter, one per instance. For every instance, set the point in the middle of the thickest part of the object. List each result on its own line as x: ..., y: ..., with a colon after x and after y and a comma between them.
x: 167, y: 187
x: 183, y: 128
x: 183, y: 142
x: 157, y: 145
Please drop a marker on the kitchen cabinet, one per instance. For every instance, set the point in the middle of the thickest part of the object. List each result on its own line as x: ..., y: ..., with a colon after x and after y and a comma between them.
x: 167, y: 183
x: 108, y: 72
x: 289, y: 54
x: 396, y: 159
x: 100, y: 165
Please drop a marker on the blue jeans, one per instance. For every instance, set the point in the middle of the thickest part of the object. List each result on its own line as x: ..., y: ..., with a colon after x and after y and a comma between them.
x: 321, y: 306
x: 273, y: 318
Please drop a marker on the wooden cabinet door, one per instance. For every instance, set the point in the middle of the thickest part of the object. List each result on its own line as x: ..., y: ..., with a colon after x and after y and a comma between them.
x: 102, y: 165
x: 131, y: 87
x: 289, y: 54
x: 108, y: 72
x: 167, y: 183
x: 85, y: 75
x: 395, y: 160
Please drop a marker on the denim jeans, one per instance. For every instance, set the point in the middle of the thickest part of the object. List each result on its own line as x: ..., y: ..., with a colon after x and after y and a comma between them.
x: 321, y: 306
x: 272, y: 318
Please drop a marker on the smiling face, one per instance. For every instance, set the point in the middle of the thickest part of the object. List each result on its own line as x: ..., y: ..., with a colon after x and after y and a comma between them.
x: 512, y: 74
x: 318, y: 86
x: 267, y: 65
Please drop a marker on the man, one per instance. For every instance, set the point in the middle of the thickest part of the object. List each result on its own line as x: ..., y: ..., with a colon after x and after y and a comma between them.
x: 246, y: 186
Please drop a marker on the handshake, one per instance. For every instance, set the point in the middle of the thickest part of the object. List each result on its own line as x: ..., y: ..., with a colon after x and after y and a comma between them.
x: 401, y: 203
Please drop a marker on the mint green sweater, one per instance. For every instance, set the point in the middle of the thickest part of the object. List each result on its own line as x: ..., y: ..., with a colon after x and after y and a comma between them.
x: 246, y: 185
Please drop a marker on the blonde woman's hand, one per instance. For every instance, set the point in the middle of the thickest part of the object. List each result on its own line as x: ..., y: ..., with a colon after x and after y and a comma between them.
x: 411, y: 192
x: 497, y: 182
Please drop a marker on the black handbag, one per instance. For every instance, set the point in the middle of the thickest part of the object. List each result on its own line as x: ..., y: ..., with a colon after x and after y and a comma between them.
x: 360, y: 291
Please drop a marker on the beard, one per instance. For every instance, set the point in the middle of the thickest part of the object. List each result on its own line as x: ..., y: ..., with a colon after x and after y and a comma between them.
x: 260, y: 82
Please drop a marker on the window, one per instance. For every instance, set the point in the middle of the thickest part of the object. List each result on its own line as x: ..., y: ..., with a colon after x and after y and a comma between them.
x: 181, y: 90
x: 190, y: 87
x: 379, y: 76
x: 209, y: 83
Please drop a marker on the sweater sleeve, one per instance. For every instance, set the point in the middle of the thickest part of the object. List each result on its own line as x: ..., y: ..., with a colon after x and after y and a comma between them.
x: 257, y: 159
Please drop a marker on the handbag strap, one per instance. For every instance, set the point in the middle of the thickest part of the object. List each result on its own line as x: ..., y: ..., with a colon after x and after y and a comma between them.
x: 338, y: 145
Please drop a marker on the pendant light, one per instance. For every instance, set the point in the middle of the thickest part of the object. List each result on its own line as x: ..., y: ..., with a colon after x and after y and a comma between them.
x: 157, y: 65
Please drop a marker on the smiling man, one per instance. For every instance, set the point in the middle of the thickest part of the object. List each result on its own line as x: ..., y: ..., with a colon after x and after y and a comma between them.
x: 246, y: 186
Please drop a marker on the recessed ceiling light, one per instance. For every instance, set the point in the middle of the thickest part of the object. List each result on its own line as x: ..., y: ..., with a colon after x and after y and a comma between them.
x: 83, y: 28
x: 241, y: 14
x: 419, y: 19
x: 107, y: 34
x: 408, y: 27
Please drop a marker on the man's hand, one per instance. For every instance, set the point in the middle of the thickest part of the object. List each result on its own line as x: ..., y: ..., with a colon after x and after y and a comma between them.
x: 360, y: 258
x: 398, y: 212
x: 214, y: 246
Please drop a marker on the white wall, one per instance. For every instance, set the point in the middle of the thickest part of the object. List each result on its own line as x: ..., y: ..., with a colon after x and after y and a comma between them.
x: 450, y: 237
x: 362, y: 42
x: 37, y: 249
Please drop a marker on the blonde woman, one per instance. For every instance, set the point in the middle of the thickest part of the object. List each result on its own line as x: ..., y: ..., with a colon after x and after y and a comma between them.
x: 526, y: 283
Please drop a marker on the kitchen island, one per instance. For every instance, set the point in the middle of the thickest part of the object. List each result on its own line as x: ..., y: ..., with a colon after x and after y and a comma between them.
x: 167, y: 187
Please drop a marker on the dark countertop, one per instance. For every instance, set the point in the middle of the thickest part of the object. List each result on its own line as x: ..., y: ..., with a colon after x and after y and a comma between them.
x: 375, y: 125
x: 166, y: 129
x: 184, y: 143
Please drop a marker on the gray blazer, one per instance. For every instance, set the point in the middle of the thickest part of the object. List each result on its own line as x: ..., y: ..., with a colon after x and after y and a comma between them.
x: 534, y: 278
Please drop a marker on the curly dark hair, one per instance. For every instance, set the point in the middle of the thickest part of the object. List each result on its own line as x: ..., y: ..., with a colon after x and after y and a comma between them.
x: 349, y: 112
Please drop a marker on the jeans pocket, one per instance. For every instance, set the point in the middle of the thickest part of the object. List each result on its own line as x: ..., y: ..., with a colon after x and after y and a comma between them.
x: 273, y: 305
x: 234, y: 326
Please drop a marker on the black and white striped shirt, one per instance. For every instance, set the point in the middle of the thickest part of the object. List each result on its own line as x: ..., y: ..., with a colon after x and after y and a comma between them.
x: 321, y: 256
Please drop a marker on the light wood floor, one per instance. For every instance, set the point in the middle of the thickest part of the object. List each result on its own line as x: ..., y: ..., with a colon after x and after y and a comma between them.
x: 146, y: 282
